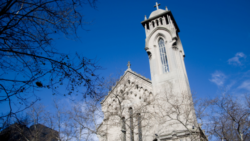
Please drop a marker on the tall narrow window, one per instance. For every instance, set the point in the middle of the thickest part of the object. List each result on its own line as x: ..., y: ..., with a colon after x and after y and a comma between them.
x: 163, y: 54
x: 131, y: 124
x: 139, y: 126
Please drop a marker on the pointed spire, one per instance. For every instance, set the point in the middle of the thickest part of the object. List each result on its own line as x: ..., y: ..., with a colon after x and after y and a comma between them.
x: 166, y: 8
x: 145, y: 17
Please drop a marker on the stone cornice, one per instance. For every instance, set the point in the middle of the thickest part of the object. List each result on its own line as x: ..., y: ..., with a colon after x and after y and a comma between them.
x: 162, y: 14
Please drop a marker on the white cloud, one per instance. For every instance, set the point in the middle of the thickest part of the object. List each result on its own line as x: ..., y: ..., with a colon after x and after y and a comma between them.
x: 236, y: 60
x: 230, y: 85
x: 218, y: 78
x: 245, y: 85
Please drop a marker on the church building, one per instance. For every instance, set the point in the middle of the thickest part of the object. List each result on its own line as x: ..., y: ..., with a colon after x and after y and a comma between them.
x: 161, y: 109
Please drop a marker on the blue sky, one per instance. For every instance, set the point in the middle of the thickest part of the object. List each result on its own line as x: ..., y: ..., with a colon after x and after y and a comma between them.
x: 215, y: 36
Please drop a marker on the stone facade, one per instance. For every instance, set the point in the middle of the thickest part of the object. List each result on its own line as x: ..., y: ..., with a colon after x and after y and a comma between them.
x: 137, y: 109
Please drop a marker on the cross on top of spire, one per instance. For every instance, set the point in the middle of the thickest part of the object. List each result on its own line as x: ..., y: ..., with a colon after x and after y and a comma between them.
x: 157, y: 5
x: 129, y: 65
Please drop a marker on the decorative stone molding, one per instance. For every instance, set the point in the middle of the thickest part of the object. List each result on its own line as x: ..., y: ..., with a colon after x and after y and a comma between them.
x: 173, y: 43
x: 148, y: 52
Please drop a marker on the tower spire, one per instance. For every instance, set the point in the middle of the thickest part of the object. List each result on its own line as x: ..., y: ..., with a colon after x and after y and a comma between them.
x: 157, y: 5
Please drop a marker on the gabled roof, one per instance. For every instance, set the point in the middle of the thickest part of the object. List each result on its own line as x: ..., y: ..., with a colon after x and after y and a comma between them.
x: 128, y: 71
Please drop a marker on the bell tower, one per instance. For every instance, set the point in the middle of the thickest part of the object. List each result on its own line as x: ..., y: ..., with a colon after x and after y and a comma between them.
x: 165, y: 52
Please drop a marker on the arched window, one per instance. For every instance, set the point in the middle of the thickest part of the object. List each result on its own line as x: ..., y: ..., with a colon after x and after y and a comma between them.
x: 163, y: 54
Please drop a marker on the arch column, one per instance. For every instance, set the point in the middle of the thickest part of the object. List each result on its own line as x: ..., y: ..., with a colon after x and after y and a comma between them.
x: 131, y: 124
x: 139, y: 126
x: 124, y: 129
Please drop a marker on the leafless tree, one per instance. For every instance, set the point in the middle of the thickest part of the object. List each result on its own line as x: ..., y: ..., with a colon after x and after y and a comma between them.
x: 176, y: 111
x: 125, y: 94
x: 85, y: 118
x: 166, y: 107
x: 228, y: 117
x: 224, y: 118
x: 64, y: 124
x: 28, y: 60
x: 33, y: 127
x: 171, y: 110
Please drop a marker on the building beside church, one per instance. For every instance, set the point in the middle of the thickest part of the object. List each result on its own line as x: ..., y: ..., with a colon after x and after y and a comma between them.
x: 36, y: 132
x: 139, y: 109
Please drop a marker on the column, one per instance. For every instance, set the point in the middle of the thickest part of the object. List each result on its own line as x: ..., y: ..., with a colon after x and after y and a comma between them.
x: 131, y: 124
x: 164, y: 21
x: 139, y: 126
x: 123, y: 129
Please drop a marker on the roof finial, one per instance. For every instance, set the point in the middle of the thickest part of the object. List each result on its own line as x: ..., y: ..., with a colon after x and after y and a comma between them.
x: 166, y: 8
x: 129, y: 65
x: 157, y: 5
